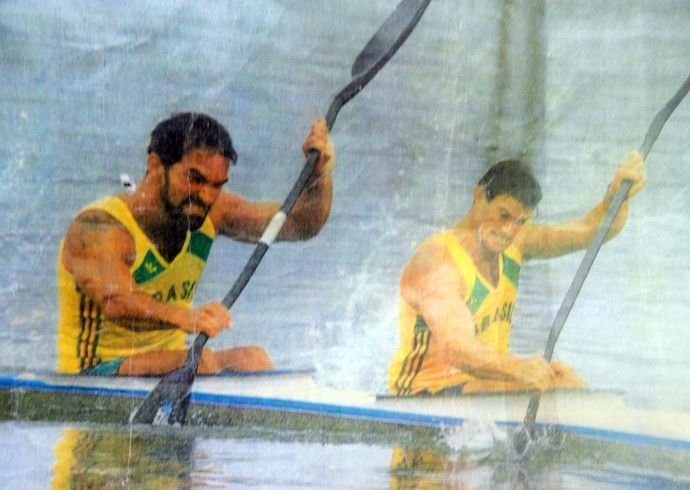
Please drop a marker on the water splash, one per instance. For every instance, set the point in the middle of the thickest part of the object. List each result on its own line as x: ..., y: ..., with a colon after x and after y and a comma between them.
x: 474, y: 440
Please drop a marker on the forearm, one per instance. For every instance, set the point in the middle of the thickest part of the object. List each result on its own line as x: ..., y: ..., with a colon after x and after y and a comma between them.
x: 140, y: 312
x: 311, y: 210
x: 548, y: 241
x: 314, y: 203
x: 484, y: 362
x: 596, y: 215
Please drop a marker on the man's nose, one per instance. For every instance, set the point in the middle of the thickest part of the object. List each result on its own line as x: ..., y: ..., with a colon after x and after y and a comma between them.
x: 510, y: 229
x: 208, y: 194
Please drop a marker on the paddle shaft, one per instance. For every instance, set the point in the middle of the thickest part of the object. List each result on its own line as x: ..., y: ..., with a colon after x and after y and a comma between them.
x: 268, y: 237
x: 363, y: 71
x: 167, y: 402
x: 604, y: 227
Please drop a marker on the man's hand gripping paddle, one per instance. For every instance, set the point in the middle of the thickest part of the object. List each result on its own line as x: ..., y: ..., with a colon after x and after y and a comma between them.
x: 525, y: 434
x: 167, y: 403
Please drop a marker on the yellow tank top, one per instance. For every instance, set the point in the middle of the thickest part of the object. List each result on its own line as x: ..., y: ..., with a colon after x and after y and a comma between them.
x: 418, y: 364
x: 86, y: 337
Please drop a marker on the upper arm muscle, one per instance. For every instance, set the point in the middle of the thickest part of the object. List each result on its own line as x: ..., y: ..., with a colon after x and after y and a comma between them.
x: 433, y: 284
x: 98, y: 251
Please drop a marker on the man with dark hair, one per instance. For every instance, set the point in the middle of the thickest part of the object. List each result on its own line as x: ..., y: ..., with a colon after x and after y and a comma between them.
x: 458, y: 291
x: 175, y: 136
x: 514, y: 178
x: 129, y: 264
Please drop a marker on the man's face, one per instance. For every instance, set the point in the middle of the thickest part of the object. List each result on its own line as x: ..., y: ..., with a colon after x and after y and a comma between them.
x: 501, y: 219
x: 192, y: 185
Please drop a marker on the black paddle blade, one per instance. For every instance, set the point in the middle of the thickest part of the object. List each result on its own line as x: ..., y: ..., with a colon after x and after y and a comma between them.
x: 522, y: 441
x: 390, y: 36
x: 167, y: 403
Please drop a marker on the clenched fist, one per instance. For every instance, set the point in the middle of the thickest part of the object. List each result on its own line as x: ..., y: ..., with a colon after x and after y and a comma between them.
x: 210, y: 319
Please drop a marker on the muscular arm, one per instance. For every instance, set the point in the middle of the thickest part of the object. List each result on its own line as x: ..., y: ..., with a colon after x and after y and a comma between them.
x: 98, y: 251
x: 544, y: 241
x: 547, y: 241
x: 243, y: 220
x: 433, y: 285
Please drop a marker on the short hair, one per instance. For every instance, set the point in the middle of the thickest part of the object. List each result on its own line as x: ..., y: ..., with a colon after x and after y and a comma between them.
x: 182, y: 132
x: 515, y: 178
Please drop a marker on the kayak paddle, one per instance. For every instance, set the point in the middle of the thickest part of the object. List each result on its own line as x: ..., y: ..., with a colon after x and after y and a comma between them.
x: 524, y: 436
x: 167, y: 402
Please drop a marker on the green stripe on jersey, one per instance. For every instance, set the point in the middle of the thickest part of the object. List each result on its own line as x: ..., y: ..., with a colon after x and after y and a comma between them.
x: 149, y: 268
x: 420, y: 325
x: 477, y: 297
x: 511, y: 269
x: 200, y: 245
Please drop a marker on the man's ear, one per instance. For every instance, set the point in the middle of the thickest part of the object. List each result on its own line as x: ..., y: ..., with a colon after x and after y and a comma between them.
x: 478, y: 193
x: 153, y: 164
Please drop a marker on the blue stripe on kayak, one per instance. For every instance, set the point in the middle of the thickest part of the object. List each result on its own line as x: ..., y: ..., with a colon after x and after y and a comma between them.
x: 226, y: 374
x: 244, y: 374
x: 12, y: 380
x: 389, y: 416
x: 625, y: 437
x: 376, y: 415
x: 37, y: 385
x: 314, y: 408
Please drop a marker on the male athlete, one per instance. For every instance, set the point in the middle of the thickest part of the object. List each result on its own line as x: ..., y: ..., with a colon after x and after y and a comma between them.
x: 458, y: 291
x: 129, y: 264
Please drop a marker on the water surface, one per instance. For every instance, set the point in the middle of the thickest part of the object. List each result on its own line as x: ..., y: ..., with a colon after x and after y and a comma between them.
x: 45, y: 455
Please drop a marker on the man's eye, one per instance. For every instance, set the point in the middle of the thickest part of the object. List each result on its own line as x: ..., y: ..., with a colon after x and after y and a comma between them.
x: 195, y: 179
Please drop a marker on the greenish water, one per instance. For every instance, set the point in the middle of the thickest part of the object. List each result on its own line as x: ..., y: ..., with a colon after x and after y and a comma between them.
x: 37, y: 455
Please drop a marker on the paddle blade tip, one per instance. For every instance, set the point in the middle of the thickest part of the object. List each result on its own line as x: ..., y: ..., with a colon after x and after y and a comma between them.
x: 522, y: 441
x: 168, y: 401
x: 390, y: 36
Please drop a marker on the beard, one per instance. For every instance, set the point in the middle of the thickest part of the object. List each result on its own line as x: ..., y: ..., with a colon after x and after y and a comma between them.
x: 181, y: 213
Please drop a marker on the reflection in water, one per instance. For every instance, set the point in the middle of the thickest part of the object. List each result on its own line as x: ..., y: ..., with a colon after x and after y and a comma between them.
x: 552, y: 461
x: 429, y: 468
x: 120, y: 459
x: 107, y: 457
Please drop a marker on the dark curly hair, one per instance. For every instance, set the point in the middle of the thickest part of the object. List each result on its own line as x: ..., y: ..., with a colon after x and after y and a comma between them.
x: 176, y: 136
x: 512, y: 177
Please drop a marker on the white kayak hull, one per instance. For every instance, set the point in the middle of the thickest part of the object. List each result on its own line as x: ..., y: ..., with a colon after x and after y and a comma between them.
x: 589, y: 413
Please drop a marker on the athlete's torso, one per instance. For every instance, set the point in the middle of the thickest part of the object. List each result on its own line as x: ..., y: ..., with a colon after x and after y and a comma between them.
x: 86, y: 338
x: 418, y: 364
